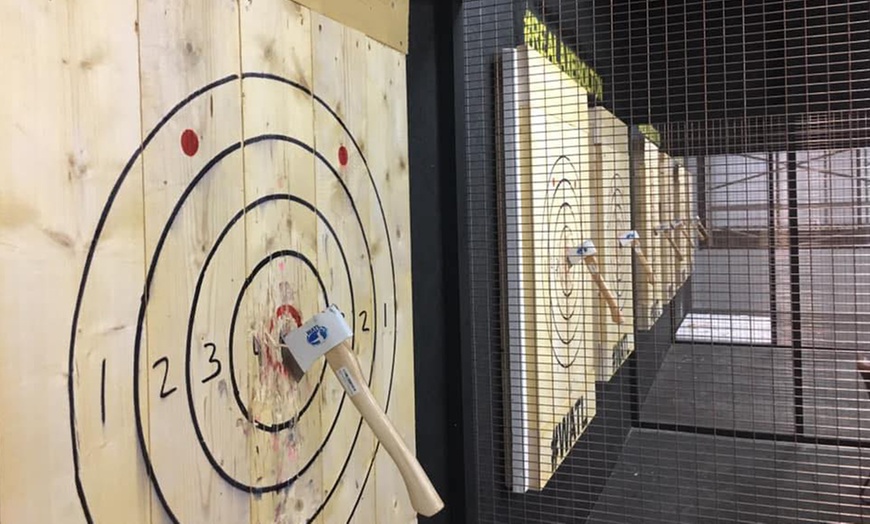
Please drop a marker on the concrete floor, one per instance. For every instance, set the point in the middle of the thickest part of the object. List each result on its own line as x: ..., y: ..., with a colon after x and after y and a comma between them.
x: 669, y: 476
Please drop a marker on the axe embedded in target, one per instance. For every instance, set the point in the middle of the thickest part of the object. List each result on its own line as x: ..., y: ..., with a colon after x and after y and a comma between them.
x: 632, y: 239
x: 586, y: 254
x: 328, y: 334
x: 667, y: 230
x: 680, y: 225
x: 702, y: 231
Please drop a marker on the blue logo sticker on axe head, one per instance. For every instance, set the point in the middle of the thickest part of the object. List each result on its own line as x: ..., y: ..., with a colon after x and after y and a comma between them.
x: 316, y: 335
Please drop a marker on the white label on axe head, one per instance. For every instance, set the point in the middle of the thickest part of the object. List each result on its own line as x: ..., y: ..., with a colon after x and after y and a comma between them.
x: 317, y: 336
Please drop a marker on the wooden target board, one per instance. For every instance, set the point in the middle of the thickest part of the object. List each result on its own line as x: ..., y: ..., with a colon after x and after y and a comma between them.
x: 681, y: 194
x: 206, y: 176
x: 645, y: 168
x: 668, y: 259
x: 546, y: 204
x: 612, y: 192
x: 691, y: 211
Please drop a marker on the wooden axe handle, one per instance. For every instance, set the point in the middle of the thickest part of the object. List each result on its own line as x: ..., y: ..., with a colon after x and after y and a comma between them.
x: 702, y: 231
x: 344, y: 363
x: 685, y: 231
x: 675, y: 247
x: 615, y: 313
x: 644, y: 263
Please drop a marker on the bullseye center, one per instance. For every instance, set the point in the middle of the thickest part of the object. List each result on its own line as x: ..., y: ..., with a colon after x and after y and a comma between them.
x: 277, y: 295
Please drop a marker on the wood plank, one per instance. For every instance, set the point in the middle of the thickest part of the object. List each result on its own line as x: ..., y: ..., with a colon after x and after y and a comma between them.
x: 70, y: 122
x: 645, y: 192
x: 614, y: 342
x: 281, y: 242
x: 668, y: 256
x: 681, y: 195
x: 517, y: 264
x: 692, y: 213
x: 346, y: 198
x: 383, y: 20
x: 388, y: 120
x: 184, y: 47
x: 561, y: 204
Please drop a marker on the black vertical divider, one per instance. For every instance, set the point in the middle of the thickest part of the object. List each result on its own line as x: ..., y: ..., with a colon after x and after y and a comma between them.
x: 432, y: 159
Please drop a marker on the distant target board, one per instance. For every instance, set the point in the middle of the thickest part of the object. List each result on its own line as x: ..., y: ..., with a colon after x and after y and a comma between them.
x: 670, y: 253
x: 646, y: 177
x: 614, y: 342
x: 685, y: 231
x: 545, y: 202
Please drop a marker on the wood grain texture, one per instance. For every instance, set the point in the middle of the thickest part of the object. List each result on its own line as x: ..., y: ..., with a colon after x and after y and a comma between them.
x: 560, y: 367
x: 385, y: 21
x: 340, y: 80
x: 69, y: 121
x: 669, y: 239
x: 612, y: 192
x: 690, y: 213
x: 645, y: 157
x: 281, y: 238
x: 517, y: 261
x: 183, y: 47
x: 239, y: 169
x: 389, y: 163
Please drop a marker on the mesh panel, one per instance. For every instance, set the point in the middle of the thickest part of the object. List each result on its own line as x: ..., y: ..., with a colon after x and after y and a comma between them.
x: 665, y: 244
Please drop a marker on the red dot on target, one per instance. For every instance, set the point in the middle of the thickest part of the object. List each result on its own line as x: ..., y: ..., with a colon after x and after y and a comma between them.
x: 342, y: 155
x: 189, y: 142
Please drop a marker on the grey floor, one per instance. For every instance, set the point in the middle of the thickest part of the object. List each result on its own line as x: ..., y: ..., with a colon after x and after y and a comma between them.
x: 669, y: 476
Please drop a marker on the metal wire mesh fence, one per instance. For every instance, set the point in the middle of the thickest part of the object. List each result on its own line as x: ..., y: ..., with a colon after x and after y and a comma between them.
x: 665, y: 226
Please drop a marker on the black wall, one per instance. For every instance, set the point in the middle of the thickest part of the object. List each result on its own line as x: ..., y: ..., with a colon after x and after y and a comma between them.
x: 431, y: 148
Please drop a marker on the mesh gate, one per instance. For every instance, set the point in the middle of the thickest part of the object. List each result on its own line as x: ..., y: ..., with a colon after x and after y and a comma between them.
x: 667, y: 294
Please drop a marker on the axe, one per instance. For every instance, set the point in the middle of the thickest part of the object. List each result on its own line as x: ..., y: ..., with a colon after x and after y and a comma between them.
x: 667, y: 230
x: 632, y: 240
x: 328, y: 333
x: 586, y: 252
x: 701, y: 229
x: 680, y: 225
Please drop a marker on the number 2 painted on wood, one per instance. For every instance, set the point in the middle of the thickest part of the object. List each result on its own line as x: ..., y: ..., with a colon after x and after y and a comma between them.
x: 163, y: 391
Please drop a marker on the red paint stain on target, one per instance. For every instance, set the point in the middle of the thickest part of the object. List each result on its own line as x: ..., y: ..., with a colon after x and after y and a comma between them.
x: 189, y: 142
x: 342, y: 156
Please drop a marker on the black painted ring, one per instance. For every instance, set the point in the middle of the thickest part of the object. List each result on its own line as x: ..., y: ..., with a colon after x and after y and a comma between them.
x: 99, y: 229
x: 565, y: 312
x: 240, y: 403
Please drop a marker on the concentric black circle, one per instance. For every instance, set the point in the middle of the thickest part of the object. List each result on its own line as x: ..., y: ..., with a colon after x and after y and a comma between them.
x: 137, y: 349
x: 240, y: 403
x: 563, y: 227
x: 616, y: 209
x: 144, y: 305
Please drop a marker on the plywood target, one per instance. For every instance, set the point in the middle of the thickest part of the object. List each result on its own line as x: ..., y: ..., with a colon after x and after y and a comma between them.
x: 667, y: 254
x: 263, y: 177
x: 201, y: 364
x: 547, y: 210
x: 646, y: 192
x: 615, y: 342
x: 563, y: 228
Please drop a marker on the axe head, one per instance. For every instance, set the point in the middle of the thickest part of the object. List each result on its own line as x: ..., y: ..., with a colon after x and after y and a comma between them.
x: 576, y: 255
x: 676, y: 224
x: 627, y: 239
x: 301, y: 347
